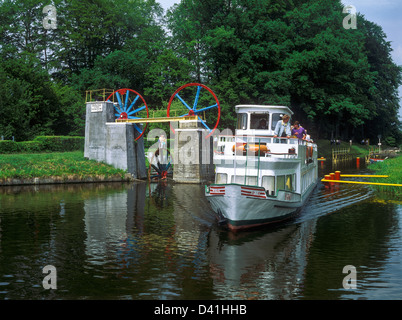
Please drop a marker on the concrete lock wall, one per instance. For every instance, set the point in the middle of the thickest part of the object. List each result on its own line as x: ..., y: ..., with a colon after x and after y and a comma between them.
x: 111, y: 142
x: 97, y: 115
x: 193, y: 155
x: 114, y: 143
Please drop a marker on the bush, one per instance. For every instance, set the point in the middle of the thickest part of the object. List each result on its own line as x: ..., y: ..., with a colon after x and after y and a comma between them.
x: 60, y: 143
x: 390, y: 141
x: 43, y: 144
x: 30, y: 146
x: 9, y: 146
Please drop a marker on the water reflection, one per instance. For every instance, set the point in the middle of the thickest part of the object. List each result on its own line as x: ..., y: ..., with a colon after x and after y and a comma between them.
x: 161, y: 241
x: 261, y: 265
x: 108, y: 218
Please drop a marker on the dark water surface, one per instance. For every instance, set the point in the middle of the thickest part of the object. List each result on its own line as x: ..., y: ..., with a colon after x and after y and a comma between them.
x: 161, y: 241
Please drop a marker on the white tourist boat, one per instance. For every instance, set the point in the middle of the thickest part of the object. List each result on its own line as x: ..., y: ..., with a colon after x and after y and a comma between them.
x: 260, y: 179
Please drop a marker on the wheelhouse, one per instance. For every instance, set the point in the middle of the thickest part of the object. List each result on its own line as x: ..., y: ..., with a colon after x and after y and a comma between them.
x: 250, y: 118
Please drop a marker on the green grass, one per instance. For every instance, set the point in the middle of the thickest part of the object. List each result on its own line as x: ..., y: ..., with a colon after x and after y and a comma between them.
x: 392, y: 168
x: 57, y: 164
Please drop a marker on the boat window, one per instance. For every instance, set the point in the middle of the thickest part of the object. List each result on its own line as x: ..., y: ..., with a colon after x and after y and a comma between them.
x: 290, y: 182
x: 251, y: 181
x: 238, y: 179
x: 268, y: 182
x: 221, y: 178
x: 259, y: 120
x: 242, y: 121
x: 275, y: 118
x: 280, y: 182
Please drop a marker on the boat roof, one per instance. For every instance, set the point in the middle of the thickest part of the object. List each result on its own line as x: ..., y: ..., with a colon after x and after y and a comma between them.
x: 255, y: 107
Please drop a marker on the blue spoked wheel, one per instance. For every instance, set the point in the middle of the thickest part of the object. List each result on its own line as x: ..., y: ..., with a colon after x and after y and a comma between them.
x: 209, y: 104
x: 129, y: 104
x: 160, y: 165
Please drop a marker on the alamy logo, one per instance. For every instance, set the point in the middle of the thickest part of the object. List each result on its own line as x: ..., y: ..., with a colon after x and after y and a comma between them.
x: 350, y: 21
x: 50, y: 19
x: 349, y: 282
x: 50, y: 281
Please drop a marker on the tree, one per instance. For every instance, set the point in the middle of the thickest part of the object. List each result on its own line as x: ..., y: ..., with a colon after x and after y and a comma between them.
x: 340, y: 82
x: 167, y: 73
x: 286, y: 52
x: 388, y: 77
x: 45, y: 73
x: 28, y: 105
x: 331, y: 78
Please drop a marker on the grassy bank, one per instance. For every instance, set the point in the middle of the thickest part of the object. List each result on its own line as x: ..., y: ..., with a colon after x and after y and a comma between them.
x: 59, y: 166
x: 392, y: 168
x: 325, y: 148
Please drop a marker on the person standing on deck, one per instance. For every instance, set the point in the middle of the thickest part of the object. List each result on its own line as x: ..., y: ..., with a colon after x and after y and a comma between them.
x: 298, y: 131
x: 282, y: 128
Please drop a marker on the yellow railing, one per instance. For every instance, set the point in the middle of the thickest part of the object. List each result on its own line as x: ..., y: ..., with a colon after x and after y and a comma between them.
x: 102, y: 94
x: 98, y: 95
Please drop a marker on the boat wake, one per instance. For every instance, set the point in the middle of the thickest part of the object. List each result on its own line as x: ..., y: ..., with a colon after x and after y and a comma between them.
x: 326, y: 200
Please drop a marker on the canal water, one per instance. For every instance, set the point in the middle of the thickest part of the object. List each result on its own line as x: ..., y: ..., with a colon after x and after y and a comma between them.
x: 161, y: 241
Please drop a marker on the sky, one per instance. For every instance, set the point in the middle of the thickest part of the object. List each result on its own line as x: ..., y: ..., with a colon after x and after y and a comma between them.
x: 386, y: 13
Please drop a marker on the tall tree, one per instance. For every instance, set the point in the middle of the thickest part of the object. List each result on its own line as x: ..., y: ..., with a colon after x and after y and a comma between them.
x: 284, y: 52
x: 388, y: 77
x: 88, y: 30
x: 96, y: 44
x: 28, y: 104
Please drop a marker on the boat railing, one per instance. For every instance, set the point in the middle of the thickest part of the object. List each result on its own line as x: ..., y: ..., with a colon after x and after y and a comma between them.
x: 266, y: 146
x: 265, y: 139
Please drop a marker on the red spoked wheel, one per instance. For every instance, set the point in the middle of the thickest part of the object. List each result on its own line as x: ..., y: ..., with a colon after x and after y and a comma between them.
x: 129, y: 104
x: 204, y: 101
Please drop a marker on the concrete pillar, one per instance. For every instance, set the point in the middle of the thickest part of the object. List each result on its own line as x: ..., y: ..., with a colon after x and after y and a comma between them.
x: 119, y: 144
x: 123, y: 152
x: 111, y: 142
x: 98, y: 113
x: 193, y: 154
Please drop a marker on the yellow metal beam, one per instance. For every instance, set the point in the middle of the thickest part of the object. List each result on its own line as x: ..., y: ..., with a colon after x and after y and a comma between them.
x: 364, y: 176
x: 161, y: 119
x: 361, y: 182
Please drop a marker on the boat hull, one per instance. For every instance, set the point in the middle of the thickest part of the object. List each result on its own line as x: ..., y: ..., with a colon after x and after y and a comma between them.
x: 376, y: 160
x: 242, y: 207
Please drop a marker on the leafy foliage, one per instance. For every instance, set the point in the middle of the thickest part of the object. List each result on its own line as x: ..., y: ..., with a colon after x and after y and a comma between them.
x: 340, y: 83
x: 43, y: 144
